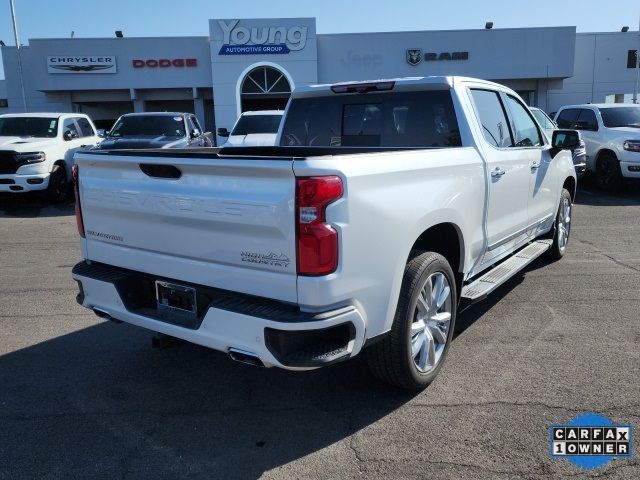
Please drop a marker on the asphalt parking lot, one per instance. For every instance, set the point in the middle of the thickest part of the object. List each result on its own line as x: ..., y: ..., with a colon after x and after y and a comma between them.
x: 84, y: 398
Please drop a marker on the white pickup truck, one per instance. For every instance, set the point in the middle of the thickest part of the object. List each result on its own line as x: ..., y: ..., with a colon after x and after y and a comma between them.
x: 386, y: 207
x: 36, y: 151
x: 611, y: 133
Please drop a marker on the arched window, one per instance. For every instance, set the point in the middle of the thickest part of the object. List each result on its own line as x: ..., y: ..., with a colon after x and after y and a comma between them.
x: 265, y: 88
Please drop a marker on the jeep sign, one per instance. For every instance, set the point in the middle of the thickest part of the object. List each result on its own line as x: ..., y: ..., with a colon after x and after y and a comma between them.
x: 239, y: 40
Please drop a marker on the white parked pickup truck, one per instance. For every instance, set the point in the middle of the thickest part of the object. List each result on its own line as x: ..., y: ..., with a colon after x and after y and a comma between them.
x: 36, y: 151
x: 386, y: 208
x: 611, y: 133
x: 253, y: 129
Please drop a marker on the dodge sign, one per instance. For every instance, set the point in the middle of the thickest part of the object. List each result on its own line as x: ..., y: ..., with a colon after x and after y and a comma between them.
x: 82, y: 64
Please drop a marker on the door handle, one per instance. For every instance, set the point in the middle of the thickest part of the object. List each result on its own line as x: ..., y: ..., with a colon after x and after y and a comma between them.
x: 497, y: 173
x: 535, y: 166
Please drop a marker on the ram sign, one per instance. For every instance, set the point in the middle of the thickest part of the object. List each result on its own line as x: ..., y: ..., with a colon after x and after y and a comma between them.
x: 82, y: 64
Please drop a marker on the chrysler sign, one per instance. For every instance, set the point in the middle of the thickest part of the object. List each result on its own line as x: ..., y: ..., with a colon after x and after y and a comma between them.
x: 238, y: 40
x: 82, y: 64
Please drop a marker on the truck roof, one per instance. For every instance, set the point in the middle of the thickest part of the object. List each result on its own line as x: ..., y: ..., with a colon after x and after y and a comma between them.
x: 155, y: 114
x: 263, y: 112
x: 599, y: 105
x: 40, y: 114
x: 398, y: 83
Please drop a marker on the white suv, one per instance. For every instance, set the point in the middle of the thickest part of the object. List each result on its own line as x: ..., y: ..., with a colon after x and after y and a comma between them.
x: 611, y: 133
x: 36, y: 151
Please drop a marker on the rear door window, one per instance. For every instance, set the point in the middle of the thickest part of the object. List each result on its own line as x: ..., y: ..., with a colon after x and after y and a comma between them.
x: 586, y: 120
x: 567, y: 118
x: 492, y: 117
x: 393, y: 119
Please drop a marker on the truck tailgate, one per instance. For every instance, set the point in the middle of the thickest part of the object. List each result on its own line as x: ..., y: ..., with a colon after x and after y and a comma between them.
x: 224, y: 222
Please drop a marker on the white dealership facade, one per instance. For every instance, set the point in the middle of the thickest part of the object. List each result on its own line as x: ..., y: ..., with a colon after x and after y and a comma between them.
x: 248, y: 64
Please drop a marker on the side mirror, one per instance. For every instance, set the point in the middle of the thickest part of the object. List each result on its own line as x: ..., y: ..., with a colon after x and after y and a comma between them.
x: 223, y: 132
x: 70, y: 135
x: 565, y: 140
x: 102, y: 133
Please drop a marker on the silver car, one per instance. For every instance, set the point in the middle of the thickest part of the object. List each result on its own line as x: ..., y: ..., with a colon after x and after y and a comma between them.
x: 579, y: 154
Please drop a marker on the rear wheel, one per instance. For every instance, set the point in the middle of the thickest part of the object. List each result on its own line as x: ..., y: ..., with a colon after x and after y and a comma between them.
x: 58, y: 188
x: 608, y: 174
x: 412, y: 354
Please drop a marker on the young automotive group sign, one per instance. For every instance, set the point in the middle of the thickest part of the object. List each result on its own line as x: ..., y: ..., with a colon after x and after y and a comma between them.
x: 82, y: 64
x: 239, y: 40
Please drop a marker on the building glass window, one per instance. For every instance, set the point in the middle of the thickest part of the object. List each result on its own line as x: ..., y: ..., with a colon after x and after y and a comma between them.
x: 265, y: 88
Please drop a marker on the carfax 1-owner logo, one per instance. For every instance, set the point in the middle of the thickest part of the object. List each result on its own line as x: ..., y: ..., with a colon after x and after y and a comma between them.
x: 590, y: 441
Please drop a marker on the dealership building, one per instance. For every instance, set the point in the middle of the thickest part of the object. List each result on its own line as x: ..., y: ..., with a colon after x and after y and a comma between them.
x: 251, y: 64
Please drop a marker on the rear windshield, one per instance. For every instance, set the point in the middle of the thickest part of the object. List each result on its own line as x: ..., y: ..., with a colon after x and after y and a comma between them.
x: 28, y: 127
x: 257, y: 124
x: 145, y: 125
x: 621, y: 117
x: 405, y: 119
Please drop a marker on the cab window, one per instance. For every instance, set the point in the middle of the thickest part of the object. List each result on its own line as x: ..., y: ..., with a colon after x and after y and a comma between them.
x: 567, y: 118
x: 196, y: 124
x: 85, y: 127
x: 492, y: 117
x: 377, y: 119
x: 525, y: 129
x: 69, y: 124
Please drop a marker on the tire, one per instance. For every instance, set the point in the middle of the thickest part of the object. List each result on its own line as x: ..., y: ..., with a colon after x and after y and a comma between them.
x: 58, y: 189
x: 562, y: 227
x: 608, y: 174
x: 392, y: 359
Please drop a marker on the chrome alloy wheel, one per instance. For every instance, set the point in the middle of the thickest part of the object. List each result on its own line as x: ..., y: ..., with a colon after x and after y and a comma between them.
x: 564, y: 223
x: 431, y: 321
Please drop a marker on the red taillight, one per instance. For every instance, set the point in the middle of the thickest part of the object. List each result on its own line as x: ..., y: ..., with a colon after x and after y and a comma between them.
x: 76, y: 189
x: 317, y: 241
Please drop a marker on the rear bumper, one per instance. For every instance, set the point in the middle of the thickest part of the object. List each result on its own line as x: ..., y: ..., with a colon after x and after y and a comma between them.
x: 278, y: 334
x: 23, y: 183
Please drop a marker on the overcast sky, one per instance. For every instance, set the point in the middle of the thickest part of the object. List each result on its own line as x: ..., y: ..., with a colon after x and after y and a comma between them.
x: 144, y: 18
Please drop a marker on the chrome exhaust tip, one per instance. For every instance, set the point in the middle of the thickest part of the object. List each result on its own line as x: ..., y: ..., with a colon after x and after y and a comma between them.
x: 243, y: 356
x: 105, y: 315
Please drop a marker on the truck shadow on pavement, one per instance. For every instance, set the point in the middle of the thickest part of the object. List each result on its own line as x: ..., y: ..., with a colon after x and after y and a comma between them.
x: 100, y: 403
x: 589, y: 194
x: 30, y: 205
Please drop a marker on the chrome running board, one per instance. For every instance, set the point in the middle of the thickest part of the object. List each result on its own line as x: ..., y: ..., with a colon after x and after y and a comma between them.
x: 487, y: 283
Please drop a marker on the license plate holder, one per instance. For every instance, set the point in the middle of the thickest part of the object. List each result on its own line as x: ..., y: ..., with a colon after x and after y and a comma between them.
x: 176, y: 298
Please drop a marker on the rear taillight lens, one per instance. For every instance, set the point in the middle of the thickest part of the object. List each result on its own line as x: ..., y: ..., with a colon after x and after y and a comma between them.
x: 76, y: 189
x: 317, y: 241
